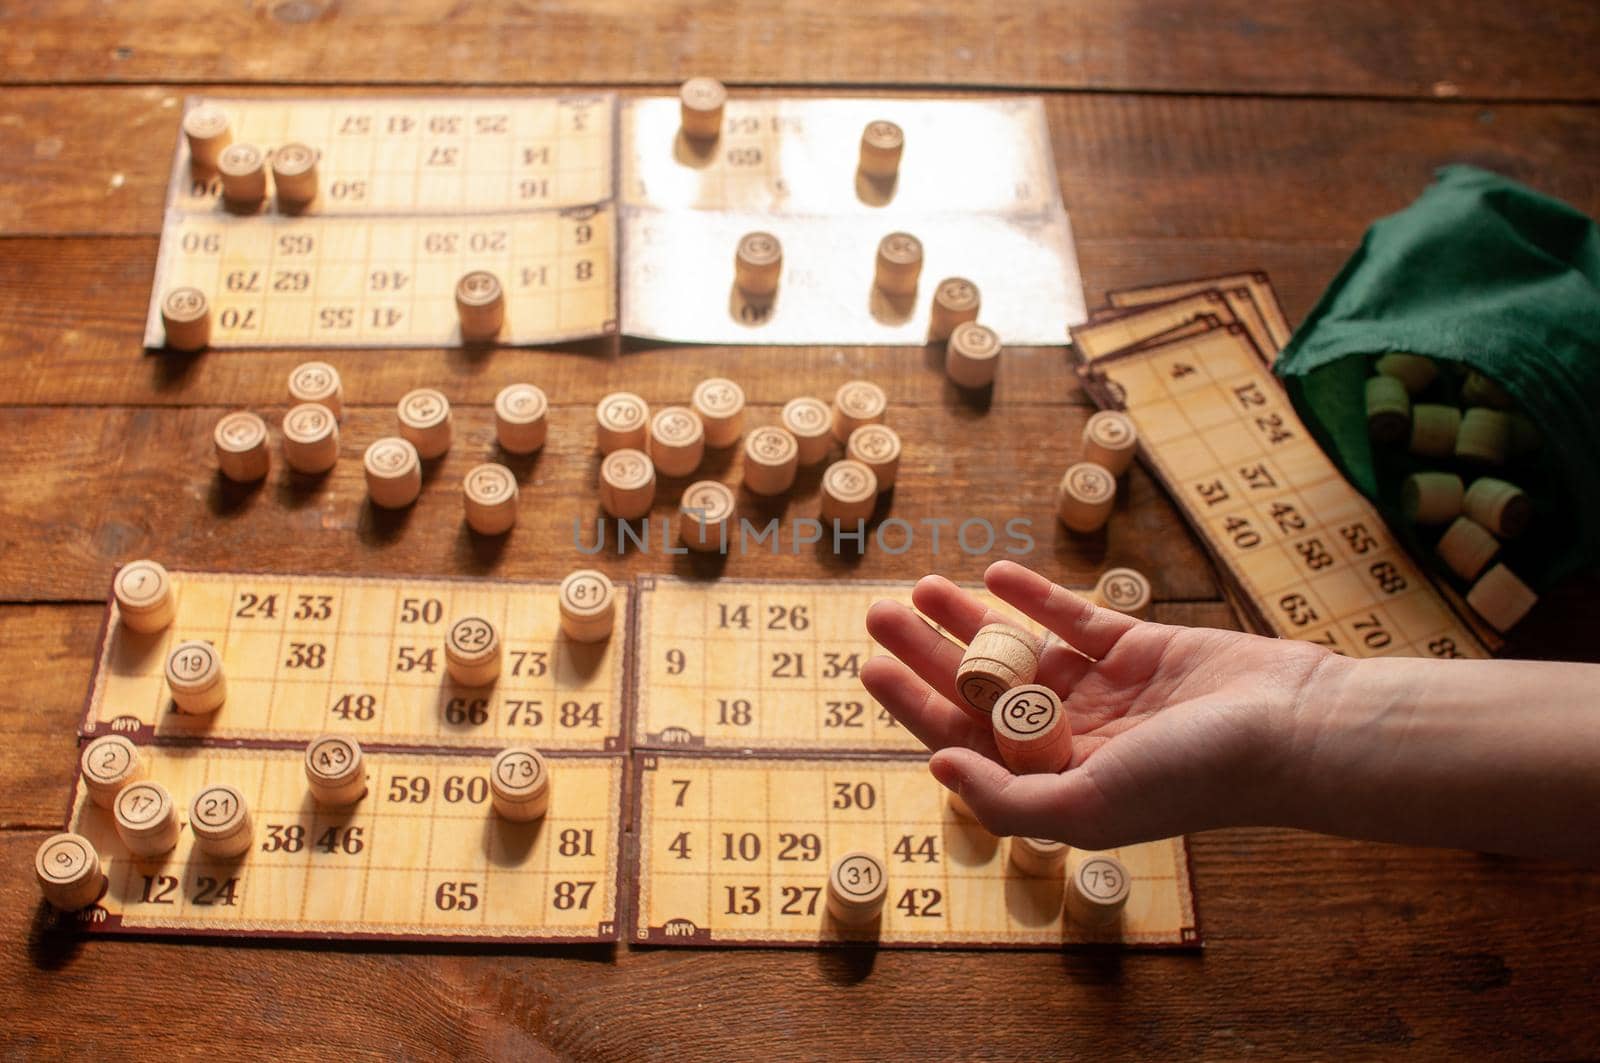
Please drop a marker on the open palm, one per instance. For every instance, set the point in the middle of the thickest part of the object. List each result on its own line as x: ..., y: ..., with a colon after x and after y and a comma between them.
x: 1172, y: 727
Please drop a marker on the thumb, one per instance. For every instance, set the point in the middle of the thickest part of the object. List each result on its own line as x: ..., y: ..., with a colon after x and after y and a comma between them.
x: 1067, y: 807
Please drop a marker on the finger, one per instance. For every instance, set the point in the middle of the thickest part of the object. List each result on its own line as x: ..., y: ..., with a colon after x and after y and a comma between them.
x: 909, y: 637
x: 1111, y: 798
x: 921, y: 710
x: 954, y: 609
x: 961, y: 614
x: 1087, y: 628
x: 1006, y: 804
x: 1061, y: 666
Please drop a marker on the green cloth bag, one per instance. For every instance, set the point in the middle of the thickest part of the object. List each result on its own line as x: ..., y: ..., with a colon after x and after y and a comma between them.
x: 1486, y: 273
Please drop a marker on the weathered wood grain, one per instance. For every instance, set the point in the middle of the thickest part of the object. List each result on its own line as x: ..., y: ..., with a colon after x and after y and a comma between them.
x: 1316, y: 949
x: 1131, y: 166
x: 1492, y: 49
x: 82, y: 490
x: 49, y: 651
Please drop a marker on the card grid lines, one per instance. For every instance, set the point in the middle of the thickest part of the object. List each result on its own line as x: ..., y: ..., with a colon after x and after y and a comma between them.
x: 370, y: 262
x: 825, y: 709
x: 414, y: 193
x: 712, y: 694
x: 397, y: 875
x: 779, y: 155
x: 973, y: 899
x: 292, y: 883
x: 976, y: 186
x: 678, y: 277
x: 390, y: 281
x: 426, y: 155
x: 325, y: 672
x: 1220, y: 432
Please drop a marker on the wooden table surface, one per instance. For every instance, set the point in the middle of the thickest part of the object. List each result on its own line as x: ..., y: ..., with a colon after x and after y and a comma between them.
x: 1191, y: 139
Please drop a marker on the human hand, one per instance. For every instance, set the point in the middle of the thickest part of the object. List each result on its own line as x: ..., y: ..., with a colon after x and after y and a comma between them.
x: 1175, y: 729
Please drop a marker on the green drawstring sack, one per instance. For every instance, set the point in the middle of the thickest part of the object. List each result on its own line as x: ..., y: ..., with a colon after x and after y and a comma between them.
x: 1489, y: 275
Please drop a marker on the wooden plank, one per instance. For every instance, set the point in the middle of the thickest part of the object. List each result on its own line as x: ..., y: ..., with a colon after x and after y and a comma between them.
x: 91, y: 488
x: 1130, y: 166
x: 1155, y: 194
x: 1440, y: 962
x: 49, y: 652
x: 68, y: 343
x: 1492, y: 49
